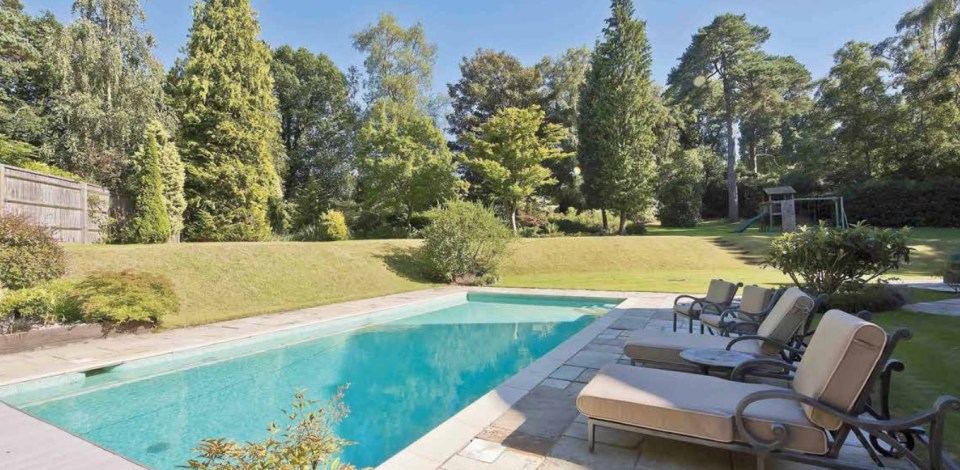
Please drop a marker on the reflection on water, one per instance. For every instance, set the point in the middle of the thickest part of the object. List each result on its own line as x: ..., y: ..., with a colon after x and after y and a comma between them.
x: 406, y: 377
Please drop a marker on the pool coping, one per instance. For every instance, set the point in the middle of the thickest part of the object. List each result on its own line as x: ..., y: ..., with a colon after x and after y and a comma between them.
x: 512, y: 390
x: 450, y: 437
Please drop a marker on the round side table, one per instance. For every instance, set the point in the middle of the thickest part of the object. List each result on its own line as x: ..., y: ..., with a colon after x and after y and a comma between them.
x: 715, y: 358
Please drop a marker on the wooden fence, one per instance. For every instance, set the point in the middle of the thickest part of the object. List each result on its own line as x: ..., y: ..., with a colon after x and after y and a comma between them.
x: 73, y: 210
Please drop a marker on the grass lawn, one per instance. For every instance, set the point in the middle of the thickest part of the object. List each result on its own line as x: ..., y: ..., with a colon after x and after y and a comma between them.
x: 221, y: 281
x: 931, y: 359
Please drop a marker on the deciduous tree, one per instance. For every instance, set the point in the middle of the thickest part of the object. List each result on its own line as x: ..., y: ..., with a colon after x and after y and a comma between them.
x: 510, y: 151
x: 399, y: 61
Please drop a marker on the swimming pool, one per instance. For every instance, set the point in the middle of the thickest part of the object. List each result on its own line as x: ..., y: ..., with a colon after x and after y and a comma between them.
x: 409, y: 369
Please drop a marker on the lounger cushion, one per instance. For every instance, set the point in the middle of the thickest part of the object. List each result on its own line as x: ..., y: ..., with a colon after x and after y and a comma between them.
x: 713, y: 320
x: 722, y: 292
x: 692, y: 405
x: 684, y: 308
x: 664, y: 347
x: 754, y: 300
x: 786, y: 318
x: 837, y: 364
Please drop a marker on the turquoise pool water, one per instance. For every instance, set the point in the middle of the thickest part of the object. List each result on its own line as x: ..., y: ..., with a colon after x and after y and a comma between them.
x: 409, y: 370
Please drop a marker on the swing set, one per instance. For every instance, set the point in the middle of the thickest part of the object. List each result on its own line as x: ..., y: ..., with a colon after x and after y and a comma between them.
x: 781, y: 211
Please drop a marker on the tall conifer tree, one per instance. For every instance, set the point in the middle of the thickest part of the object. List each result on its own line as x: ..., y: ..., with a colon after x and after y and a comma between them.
x: 230, y: 131
x: 618, y: 111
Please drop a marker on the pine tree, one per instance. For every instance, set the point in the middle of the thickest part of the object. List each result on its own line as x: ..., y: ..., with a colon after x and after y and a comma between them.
x: 618, y: 112
x: 230, y: 132
x: 150, y: 222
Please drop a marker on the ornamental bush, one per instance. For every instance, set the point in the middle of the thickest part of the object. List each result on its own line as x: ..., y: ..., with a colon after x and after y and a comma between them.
x: 334, y: 226
x: 465, y: 244
x: 126, y: 298
x: 680, y: 191
x: 150, y: 221
x: 28, y: 253
x: 44, y: 304
x: 826, y: 260
x: 898, y: 203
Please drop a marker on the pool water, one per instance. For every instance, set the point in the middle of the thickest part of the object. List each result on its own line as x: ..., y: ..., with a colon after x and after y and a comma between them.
x: 409, y: 370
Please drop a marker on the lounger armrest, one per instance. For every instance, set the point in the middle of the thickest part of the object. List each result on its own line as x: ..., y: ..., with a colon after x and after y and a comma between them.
x: 691, y: 298
x: 935, y: 417
x: 762, y: 366
x: 780, y: 344
x: 741, y: 328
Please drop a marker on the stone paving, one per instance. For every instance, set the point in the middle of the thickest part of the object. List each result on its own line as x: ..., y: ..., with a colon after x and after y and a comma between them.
x: 950, y: 307
x: 543, y: 430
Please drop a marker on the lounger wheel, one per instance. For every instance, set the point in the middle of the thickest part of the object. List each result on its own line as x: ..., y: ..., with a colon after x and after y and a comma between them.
x: 906, y: 438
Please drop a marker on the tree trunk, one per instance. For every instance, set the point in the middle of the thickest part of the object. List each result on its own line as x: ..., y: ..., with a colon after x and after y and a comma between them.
x: 513, y: 220
x: 606, y: 227
x: 623, y: 222
x: 754, y: 157
x: 733, y: 200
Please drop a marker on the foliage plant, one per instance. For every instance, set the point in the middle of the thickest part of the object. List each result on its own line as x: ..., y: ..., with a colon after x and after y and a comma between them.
x: 109, y: 88
x: 317, y: 126
x: 150, y: 221
x: 306, y: 442
x: 510, y: 152
x: 826, y: 260
x: 28, y: 253
x: 404, y: 166
x: 229, y: 135
x: 172, y: 175
x: 45, y: 304
x: 466, y: 244
x: 618, y: 111
x: 126, y: 298
x: 872, y: 297
x: 399, y: 61
x: 680, y: 191
x: 23, y: 155
x: 334, y: 226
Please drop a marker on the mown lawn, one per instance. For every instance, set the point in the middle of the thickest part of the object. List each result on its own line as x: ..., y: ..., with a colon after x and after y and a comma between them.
x: 221, y: 281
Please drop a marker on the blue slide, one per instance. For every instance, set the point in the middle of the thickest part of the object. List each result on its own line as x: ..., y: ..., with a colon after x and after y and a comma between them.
x: 749, y: 222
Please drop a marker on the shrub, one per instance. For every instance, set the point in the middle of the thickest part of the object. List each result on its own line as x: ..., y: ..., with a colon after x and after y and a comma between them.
x: 829, y: 259
x: 874, y: 298
x: 307, y: 442
x: 150, y: 222
x: 334, y: 226
x: 28, y: 253
x: 465, y: 244
x: 637, y: 228
x: 126, y: 298
x: 898, y: 203
x: 681, y: 190
x: 45, y: 304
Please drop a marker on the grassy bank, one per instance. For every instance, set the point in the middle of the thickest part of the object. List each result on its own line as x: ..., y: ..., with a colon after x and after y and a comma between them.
x: 220, y: 281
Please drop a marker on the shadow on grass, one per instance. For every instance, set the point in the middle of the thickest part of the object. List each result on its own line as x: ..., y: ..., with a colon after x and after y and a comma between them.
x: 403, y: 261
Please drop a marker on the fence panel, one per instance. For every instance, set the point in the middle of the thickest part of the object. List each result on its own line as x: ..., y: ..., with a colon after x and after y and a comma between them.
x: 73, y: 210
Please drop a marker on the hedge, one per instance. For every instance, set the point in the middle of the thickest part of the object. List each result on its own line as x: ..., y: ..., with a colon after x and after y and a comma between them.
x: 899, y: 203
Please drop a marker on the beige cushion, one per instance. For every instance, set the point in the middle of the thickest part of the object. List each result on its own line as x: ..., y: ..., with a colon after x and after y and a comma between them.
x: 664, y: 347
x: 677, y: 402
x: 721, y: 292
x: 683, y: 308
x: 786, y: 318
x: 839, y: 360
x: 712, y: 319
x: 754, y: 300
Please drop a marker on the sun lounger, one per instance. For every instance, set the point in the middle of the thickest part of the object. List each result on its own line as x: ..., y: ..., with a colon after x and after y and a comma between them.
x: 774, y: 336
x: 719, y: 297
x: 755, y: 303
x: 807, y: 422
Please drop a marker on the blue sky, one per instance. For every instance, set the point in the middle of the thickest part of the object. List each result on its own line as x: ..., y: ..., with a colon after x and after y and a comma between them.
x: 810, y: 30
